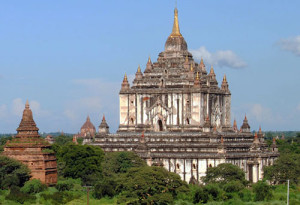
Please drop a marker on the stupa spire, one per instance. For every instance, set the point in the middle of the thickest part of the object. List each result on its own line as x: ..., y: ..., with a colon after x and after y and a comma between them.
x: 27, y: 104
x: 175, y: 30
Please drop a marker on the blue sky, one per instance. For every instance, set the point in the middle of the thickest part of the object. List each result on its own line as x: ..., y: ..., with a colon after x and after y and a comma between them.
x: 68, y: 58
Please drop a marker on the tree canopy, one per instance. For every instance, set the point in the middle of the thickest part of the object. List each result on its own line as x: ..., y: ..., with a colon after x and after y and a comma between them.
x: 121, y: 162
x: 12, y: 173
x: 81, y: 161
x: 149, y: 185
x: 224, y: 173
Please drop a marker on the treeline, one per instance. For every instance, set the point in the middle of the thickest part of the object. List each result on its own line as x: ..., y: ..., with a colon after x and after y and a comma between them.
x: 124, y: 178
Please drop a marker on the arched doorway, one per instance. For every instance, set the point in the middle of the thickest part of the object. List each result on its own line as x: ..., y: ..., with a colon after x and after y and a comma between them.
x: 160, y: 125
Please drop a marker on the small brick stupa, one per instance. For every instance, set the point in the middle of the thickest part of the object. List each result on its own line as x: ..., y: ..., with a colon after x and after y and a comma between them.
x: 32, y: 150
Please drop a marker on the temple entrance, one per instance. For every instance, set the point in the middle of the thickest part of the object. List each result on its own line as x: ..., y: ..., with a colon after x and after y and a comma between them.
x: 160, y: 125
x: 250, y: 172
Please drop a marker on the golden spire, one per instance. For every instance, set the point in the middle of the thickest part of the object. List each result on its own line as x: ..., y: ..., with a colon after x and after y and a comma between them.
x: 197, y: 76
x: 139, y: 69
x: 191, y: 68
x: 224, y: 78
x: 149, y: 60
x: 175, y: 30
x: 125, y: 78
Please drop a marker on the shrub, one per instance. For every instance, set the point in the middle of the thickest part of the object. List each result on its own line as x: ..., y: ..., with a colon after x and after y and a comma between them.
x: 245, y: 195
x: 214, y: 191
x: 200, y: 196
x: 105, y: 187
x: 33, y: 186
x: 233, y: 186
x: 16, y: 195
x: 57, y: 198
x: 65, y: 185
x: 262, y: 191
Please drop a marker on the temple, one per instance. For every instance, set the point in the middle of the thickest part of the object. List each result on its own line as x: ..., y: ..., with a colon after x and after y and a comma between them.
x: 29, y: 148
x: 87, y: 130
x: 176, y: 115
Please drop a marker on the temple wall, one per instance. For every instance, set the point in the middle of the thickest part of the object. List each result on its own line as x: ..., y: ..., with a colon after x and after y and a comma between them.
x: 124, y: 109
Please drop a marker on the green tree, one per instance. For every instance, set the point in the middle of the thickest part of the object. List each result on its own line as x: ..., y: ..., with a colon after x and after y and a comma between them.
x: 262, y: 191
x: 33, y: 186
x: 287, y: 166
x: 3, y: 140
x: 63, y: 140
x: 224, y: 173
x: 12, y: 173
x: 82, y: 161
x: 150, y: 185
x: 120, y: 162
x: 16, y: 195
x: 105, y: 187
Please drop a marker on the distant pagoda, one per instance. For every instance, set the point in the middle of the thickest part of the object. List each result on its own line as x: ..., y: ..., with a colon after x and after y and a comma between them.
x: 32, y: 150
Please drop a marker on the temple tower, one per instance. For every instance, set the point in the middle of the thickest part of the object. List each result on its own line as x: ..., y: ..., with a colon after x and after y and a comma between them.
x: 29, y: 148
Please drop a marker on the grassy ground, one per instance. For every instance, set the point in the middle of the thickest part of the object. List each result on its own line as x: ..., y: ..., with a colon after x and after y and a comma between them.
x: 279, y: 198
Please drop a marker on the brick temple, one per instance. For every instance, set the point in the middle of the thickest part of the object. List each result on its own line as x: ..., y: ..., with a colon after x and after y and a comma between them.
x: 176, y: 115
x: 32, y: 150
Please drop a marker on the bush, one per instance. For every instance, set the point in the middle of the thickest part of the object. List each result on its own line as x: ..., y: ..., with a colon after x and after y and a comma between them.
x: 262, y: 191
x: 214, y: 192
x: 233, y: 186
x: 57, y: 198
x: 16, y: 195
x: 200, y: 196
x: 33, y: 186
x: 246, y: 195
x: 105, y: 187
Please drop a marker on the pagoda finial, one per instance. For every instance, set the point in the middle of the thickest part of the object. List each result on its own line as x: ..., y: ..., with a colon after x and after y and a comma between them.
x: 245, y: 117
x: 103, y: 118
x: 175, y: 30
x: 27, y: 104
x: 125, y: 78
x: 201, y: 62
x: 191, y: 68
x: 149, y: 60
x: 212, y: 70
x: 224, y: 78
x: 259, y: 130
x: 88, y: 118
x: 139, y: 69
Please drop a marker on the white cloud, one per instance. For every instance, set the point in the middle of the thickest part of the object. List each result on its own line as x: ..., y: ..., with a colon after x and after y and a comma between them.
x: 37, y: 110
x: 18, y: 107
x: 222, y: 58
x: 291, y: 44
x: 71, y: 114
x: 87, y: 105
